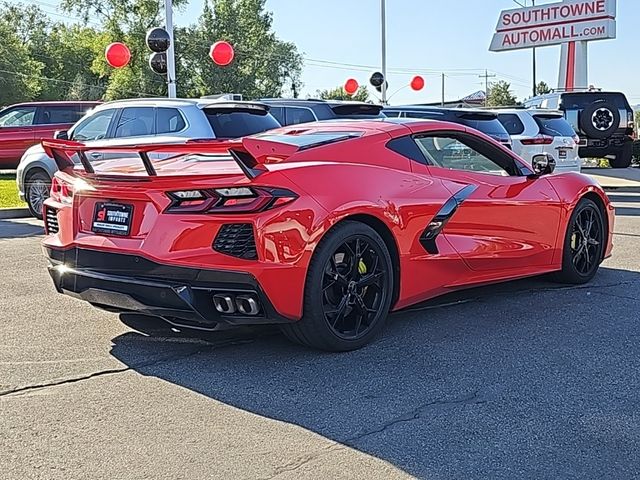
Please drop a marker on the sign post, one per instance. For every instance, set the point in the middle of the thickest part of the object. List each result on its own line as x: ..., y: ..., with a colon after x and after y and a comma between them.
x: 571, y: 23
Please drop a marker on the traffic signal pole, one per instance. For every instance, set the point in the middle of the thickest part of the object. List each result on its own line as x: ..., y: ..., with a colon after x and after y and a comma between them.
x: 383, y: 32
x: 171, y: 63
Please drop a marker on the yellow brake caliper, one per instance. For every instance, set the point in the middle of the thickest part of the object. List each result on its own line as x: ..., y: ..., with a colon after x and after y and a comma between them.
x: 362, y: 268
x: 574, y: 240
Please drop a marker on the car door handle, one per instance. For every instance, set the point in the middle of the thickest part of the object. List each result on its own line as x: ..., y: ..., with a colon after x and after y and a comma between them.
x: 95, y: 154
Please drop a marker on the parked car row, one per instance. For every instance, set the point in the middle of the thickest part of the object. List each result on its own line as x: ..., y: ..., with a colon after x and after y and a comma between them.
x: 546, y: 124
x: 527, y: 132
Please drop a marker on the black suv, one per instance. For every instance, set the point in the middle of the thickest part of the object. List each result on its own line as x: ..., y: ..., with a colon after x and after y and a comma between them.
x: 602, y: 120
x: 485, y: 122
x: 291, y: 111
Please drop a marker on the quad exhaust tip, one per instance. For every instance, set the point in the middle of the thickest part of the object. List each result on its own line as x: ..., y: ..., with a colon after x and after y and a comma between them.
x: 244, y: 304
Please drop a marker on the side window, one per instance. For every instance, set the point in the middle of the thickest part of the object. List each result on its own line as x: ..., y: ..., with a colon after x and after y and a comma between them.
x: 136, y: 122
x: 169, y: 120
x: 59, y: 114
x: 299, y: 115
x: 426, y: 115
x: 449, y: 152
x: 94, y: 127
x: 278, y: 114
x: 512, y: 123
x: 18, y: 117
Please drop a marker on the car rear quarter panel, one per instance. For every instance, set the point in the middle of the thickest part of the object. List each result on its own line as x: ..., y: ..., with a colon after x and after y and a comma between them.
x: 403, y: 202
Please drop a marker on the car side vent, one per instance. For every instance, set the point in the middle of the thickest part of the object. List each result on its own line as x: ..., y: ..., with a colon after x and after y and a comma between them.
x: 51, y: 220
x: 236, y: 240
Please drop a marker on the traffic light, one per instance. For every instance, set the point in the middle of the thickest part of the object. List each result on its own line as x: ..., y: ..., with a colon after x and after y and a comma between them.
x: 158, y: 41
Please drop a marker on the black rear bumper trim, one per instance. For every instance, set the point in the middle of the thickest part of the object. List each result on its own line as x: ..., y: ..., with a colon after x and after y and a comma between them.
x: 134, y: 284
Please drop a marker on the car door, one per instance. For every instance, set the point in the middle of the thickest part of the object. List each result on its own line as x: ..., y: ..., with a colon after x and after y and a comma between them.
x: 16, y: 134
x: 505, y: 219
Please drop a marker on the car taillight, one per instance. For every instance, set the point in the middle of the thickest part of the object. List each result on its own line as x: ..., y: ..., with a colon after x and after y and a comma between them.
x: 61, y: 191
x: 229, y: 200
x: 539, y: 140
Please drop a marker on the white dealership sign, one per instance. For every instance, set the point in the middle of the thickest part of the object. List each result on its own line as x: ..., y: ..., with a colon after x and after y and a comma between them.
x: 555, y: 23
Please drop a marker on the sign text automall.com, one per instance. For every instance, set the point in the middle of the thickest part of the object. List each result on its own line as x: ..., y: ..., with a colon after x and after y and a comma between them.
x: 554, y: 23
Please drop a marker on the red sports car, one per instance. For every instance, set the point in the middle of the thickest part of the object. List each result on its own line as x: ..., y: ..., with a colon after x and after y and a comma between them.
x: 322, y: 228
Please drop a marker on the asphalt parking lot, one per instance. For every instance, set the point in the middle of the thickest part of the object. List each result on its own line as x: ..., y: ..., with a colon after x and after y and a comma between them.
x: 521, y: 380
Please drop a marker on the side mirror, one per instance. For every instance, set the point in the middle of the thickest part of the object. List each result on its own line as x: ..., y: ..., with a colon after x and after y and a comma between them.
x: 543, y: 164
x: 61, y: 135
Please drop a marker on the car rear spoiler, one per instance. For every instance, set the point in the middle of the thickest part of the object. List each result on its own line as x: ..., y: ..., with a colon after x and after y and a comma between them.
x: 249, y: 153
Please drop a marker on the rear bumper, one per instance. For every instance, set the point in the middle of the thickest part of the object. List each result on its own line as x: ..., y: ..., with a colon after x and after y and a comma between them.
x: 182, y: 296
x: 562, y: 167
x: 607, y: 146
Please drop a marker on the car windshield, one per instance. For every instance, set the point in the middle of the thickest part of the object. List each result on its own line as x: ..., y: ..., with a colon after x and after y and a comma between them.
x: 554, y: 126
x: 572, y: 101
x: 234, y: 123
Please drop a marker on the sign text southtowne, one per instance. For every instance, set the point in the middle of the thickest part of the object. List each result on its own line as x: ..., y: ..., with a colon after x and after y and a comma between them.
x: 554, y: 23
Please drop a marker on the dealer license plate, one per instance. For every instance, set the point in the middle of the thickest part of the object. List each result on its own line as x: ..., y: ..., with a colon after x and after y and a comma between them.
x: 112, y: 218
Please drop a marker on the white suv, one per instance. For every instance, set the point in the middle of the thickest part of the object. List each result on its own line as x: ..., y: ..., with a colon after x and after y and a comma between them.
x: 142, y: 121
x: 536, y: 131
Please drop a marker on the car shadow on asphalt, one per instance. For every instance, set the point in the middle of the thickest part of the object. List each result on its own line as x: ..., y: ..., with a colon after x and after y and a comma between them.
x: 19, y: 229
x: 466, y: 385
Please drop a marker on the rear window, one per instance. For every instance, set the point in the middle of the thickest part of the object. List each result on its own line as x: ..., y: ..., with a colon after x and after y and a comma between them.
x: 554, y: 126
x: 357, y: 110
x: 511, y: 122
x: 580, y: 100
x: 233, y: 123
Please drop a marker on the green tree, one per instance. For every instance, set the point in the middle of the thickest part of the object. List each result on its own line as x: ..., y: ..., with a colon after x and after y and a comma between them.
x: 61, y: 55
x: 263, y: 66
x: 124, y: 21
x: 542, y: 88
x: 338, y: 93
x: 19, y: 74
x: 500, y: 94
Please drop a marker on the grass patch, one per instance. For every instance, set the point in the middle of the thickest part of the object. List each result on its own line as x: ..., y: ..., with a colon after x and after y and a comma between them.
x: 9, y: 192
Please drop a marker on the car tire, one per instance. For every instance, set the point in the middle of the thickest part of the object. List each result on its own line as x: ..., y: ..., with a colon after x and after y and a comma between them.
x: 348, y: 290
x: 584, y: 245
x: 598, y: 115
x: 36, y: 191
x: 623, y: 156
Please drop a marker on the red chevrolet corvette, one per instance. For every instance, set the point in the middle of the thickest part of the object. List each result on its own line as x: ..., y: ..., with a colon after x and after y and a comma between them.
x: 322, y: 228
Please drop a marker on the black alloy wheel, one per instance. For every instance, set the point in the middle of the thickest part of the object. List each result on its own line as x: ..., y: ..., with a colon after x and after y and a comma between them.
x: 584, y: 244
x: 348, y: 290
x: 353, y: 287
x: 586, y: 241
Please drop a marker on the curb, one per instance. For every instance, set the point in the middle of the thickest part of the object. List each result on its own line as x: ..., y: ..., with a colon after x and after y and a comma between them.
x: 7, y: 213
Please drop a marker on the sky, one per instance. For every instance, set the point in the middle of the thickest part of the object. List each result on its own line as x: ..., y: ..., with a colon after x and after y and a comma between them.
x: 341, y: 39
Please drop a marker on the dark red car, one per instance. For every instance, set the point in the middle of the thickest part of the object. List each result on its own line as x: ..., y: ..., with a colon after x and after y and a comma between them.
x: 323, y: 228
x: 25, y: 124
